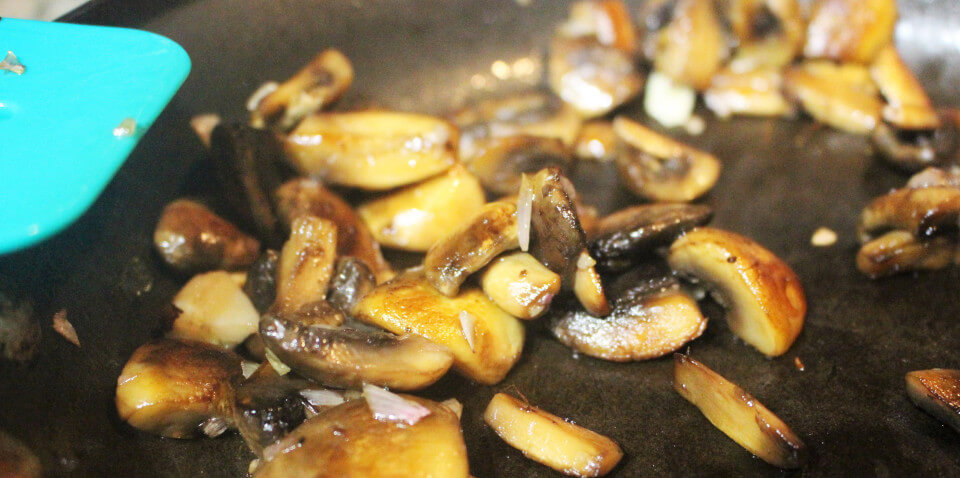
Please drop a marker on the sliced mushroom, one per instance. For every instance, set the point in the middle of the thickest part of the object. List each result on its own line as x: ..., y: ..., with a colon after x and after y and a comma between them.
x: 926, y: 213
x: 597, y: 141
x: 415, y: 217
x: 548, y: 439
x: 935, y: 177
x: 351, y: 281
x: 850, y: 30
x: 261, y: 283
x: 374, y: 150
x: 764, y: 299
x: 248, y: 163
x: 172, y: 387
x: 348, y: 441
x: 737, y: 414
x: 646, y: 322
x: 588, y: 287
x: 409, y: 304
x: 659, y: 168
x: 16, y: 460
x: 757, y: 92
x: 900, y: 251
x: 267, y: 407
x: 317, y: 85
x: 590, y: 77
x: 637, y: 230
x: 348, y: 357
x: 558, y: 237
x: 608, y: 21
x: 770, y: 32
x: 908, y: 106
x: 690, y: 47
x: 471, y: 246
x: 842, y: 96
x: 499, y: 162
x: 192, y: 238
x: 306, y: 263
x: 304, y: 196
x: 519, y: 284
x: 937, y: 391
x: 215, y: 310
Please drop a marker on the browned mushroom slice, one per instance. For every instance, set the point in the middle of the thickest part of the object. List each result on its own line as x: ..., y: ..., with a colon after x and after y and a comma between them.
x: 347, y: 440
x: 900, y: 251
x: 347, y: 357
x: 590, y: 77
x: 608, y: 21
x: 757, y: 92
x: 351, y: 281
x: 16, y: 460
x: 770, y: 32
x: 737, y: 414
x: 850, y: 30
x: 192, y: 238
x: 471, y: 246
x: 317, y: 85
x: 261, y: 283
x: 247, y: 163
x: 485, y: 340
x: 925, y: 212
x: 304, y: 196
x: 659, y: 168
x: 843, y: 96
x: 908, y: 106
x: 641, y: 326
x: 557, y: 235
x: 937, y: 391
x: 374, y: 150
x: 639, y: 229
x: 551, y: 440
x: 214, y: 309
x: 306, y: 263
x: 519, y: 284
x: 415, y: 217
x: 596, y: 141
x: 172, y: 387
x: 267, y: 407
x: 764, y: 299
x: 908, y: 150
x: 499, y: 162
x: 691, y: 47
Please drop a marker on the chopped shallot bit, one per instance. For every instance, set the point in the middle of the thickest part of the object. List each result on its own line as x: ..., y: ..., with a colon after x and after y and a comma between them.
x: 387, y: 406
x: 524, y: 211
x: 468, y: 324
x: 265, y: 89
x: 823, y: 237
x: 214, y: 427
x: 797, y: 363
x: 585, y: 261
x: 695, y: 126
x: 322, y: 397
x: 127, y: 127
x: 203, y: 125
x: 248, y: 368
x: 11, y: 63
x: 65, y: 328
x: 454, y: 405
x: 278, y: 366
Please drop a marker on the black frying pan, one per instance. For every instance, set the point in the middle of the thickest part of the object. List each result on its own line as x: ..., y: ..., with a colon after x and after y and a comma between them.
x: 781, y: 181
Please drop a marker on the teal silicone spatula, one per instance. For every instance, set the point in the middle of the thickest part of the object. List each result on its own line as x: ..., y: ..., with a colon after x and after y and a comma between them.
x: 69, y: 120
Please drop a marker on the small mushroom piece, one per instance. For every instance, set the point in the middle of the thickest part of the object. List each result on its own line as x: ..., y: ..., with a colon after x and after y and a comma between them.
x: 247, y: 162
x: 317, y: 85
x: 471, y: 246
x: 637, y: 230
x: 608, y: 21
x: 842, y: 96
x: 261, y: 283
x: 519, y: 284
x: 351, y: 281
x: 691, y: 47
x: 936, y: 177
x: 172, y: 387
x: 900, y: 251
x: 548, y: 439
x: 499, y: 162
x: 215, y: 310
x: 373, y: 150
x: 908, y: 106
x: 937, y: 392
x: 596, y: 142
x: 737, y: 414
x: 590, y: 77
x: 415, y: 217
x: 267, y: 407
x: 659, y: 168
x: 347, y: 357
x: 348, y: 441
x: 764, y: 299
x: 16, y: 460
x: 303, y: 196
x: 850, y: 30
x: 642, y: 325
x: 588, y: 287
x: 306, y: 263
x: 191, y: 238
x: 757, y: 92
x: 409, y: 304
x: 925, y: 213
x: 770, y: 32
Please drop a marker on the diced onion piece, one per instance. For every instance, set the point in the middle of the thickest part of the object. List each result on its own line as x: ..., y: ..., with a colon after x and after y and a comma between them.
x: 468, y: 324
x: 454, y: 405
x: 322, y: 398
x: 585, y: 261
x: 387, y: 406
x: 65, y: 328
x: 214, y: 427
x: 261, y: 93
x: 668, y: 102
x: 11, y: 63
x: 524, y: 212
x: 278, y: 366
x: 248, y: 368
x: 823, y: 237
x: 127, y: 127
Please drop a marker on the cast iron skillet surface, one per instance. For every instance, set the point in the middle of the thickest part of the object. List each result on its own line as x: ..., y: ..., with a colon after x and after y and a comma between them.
x: 781, y: 181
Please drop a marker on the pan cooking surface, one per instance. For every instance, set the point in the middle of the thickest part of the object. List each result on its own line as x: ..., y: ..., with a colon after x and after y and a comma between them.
x: 781, y: 181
